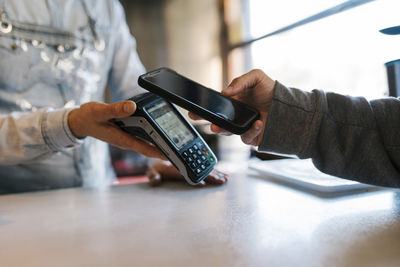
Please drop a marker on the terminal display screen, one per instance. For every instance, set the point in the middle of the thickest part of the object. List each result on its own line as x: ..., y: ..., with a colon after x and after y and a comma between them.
x: 171, y: 124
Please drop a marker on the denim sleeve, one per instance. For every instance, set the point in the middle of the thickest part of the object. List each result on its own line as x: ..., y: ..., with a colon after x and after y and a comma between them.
x: 345, y: 136
x: 126, y: 66
x: 26, y: 137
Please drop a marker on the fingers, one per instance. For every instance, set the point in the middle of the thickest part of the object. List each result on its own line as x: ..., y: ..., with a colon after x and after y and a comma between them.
x: 164, y: 171
x: 216, y: 178
x: 201, y: 184
x: 167, y: 170
x: 243, y: 82
x: 250, y: 137
x: 105, y: 112
x: 154, y: 177
x: 113, y: 135
x: 216, y: 129
x: 194, y: 116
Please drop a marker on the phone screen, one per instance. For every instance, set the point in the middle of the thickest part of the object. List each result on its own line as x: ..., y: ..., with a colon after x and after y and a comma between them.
x: 171, y: 124
x: 236, y: 112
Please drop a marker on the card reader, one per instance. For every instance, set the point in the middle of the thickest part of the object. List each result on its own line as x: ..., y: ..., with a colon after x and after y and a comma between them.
x: 161, y: 123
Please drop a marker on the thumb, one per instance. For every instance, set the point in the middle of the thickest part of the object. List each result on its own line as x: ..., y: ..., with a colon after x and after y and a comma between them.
x: 122, y: 109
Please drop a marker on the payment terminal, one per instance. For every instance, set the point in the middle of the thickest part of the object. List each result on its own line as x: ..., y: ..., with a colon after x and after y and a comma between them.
x: 161, y: 123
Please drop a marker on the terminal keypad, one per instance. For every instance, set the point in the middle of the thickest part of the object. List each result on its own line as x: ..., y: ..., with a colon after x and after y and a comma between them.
x: 198, y: 158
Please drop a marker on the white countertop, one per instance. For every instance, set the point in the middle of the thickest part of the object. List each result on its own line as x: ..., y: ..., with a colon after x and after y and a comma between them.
x: 248, y: 222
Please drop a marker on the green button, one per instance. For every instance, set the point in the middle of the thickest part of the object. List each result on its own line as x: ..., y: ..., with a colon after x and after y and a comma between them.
x: 211, y: 159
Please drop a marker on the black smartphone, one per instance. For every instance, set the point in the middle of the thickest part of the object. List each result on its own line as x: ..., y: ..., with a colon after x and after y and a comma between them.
x: 227, y: 113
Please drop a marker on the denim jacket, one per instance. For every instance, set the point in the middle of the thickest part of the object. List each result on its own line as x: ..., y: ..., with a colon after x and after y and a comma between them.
x: 55, y: 55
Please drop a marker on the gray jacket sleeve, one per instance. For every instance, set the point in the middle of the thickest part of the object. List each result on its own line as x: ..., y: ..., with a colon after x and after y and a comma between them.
x: 345, y: 136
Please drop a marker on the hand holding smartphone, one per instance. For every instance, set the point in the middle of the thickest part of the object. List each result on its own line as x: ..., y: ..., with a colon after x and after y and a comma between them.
x: 227, y: 113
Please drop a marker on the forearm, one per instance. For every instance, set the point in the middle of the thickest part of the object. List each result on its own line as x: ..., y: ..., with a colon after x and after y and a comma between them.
x: 30, y: 136
x: 345, y: 136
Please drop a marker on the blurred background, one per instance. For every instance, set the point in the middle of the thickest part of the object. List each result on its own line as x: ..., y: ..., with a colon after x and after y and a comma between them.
x: 334, y: 45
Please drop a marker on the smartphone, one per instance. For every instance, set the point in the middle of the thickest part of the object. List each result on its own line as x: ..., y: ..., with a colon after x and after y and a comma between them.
x: 227, y: 113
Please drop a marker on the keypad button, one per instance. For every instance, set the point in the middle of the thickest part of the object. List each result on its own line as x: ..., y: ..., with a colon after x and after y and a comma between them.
x: 198, y: 170
x: 204, y: 149
x: 195, y: 147
x: 198, y: 161
x: 211, y: 159
x: 199, y: 153
x: 206, y: 154
x: 194, y: 156
x: 203, y: 166
x: 203, y: 158
x: 185, y: 154
x: 193, y: 165
x: 189, y: 159
x: 190, y: 150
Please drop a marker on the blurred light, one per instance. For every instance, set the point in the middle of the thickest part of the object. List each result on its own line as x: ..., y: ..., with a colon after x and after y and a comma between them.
x: 344, y: 53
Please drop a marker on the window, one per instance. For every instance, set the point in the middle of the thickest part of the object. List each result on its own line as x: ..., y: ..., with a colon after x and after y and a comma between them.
x: 343, y: 52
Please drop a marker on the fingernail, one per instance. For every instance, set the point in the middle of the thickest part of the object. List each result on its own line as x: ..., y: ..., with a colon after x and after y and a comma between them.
x: 128, y: 107
x: 258, y: 126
